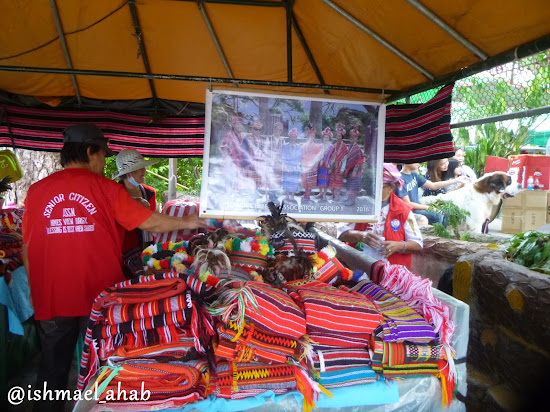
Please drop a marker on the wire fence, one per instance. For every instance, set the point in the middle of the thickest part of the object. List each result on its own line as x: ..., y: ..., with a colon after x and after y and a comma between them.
x: 515, y: 87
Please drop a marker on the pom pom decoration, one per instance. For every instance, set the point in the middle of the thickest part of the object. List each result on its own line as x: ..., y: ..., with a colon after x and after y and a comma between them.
x: 249, y: 254
x: 167, y: 255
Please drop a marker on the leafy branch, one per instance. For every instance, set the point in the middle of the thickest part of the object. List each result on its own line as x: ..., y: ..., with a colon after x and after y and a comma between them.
x: 455, y: 217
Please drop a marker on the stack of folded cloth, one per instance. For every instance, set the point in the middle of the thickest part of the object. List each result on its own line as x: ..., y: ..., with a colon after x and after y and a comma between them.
x: 151, y: 323
x: 11, y: 248
x: 258, y: 345
x: 339, y: 325
x: 406, y: 343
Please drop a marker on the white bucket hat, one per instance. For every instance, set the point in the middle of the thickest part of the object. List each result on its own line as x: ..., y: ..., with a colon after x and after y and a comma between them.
x: 130, y: 160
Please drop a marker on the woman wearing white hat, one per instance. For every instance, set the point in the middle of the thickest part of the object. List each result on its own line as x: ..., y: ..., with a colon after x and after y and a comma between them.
x: 131, y: 173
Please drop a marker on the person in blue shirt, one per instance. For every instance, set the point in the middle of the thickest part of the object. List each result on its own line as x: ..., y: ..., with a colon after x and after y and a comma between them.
x: 409, y: 192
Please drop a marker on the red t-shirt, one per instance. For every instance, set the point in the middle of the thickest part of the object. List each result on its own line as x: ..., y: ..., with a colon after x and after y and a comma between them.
x: 73, y: 245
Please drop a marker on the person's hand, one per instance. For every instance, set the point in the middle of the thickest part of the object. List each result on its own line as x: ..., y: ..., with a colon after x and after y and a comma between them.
x: 463, y: 179
x: 390, y: 247
x: 372, y: 240
x: 195, y: 222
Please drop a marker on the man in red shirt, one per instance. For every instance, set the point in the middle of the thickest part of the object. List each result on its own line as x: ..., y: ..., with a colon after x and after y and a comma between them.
x: 72, y: 247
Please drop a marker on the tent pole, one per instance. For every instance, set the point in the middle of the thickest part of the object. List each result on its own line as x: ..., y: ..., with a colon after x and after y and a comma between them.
x: 379, y: 39
x: 141, y: 45
x: 172, y: 177
x: 501, y: 117
x: 447, y: 29
x: 288, y: 5
x: 307, y: 51
x: 205, y: 79
x: 241, y: 2
x: 214, y: 38
x: 61, y: 35
x: 519, y: 52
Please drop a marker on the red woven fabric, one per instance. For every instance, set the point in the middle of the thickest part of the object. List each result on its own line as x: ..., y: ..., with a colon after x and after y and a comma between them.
x: 329, y: 310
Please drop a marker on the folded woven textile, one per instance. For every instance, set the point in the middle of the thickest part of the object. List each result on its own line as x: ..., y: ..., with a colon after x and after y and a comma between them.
x: 338, y: 358
x: 163, y: 285
x: 163, y: 380
x: 326, y: 340
x: 252, y: 344
x: 333, y: 311
x: 142, y: 292
x: 339, y: 378
x: 417, y: 293
x: 401, y: 322
x: 240, y: 380
x: 270, y: 309
x: 381, y: 360
x: 179, y: 317
x: 181, y: 350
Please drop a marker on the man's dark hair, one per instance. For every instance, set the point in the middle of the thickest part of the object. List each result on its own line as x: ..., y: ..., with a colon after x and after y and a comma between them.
x: 77, y: 152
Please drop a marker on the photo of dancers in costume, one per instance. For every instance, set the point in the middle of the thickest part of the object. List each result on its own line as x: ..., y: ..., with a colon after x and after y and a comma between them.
x: 311, y: 154
x: 310, y: 157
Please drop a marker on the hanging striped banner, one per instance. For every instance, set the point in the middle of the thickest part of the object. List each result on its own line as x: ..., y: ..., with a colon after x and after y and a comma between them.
x: 41, y: 129
x: 420, y: 132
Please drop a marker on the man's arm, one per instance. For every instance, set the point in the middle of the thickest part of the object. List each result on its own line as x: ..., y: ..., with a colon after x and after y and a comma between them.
x: 161, y: 223
x: 352, y: 236
x: 415, y: 206
x: 444, y: 183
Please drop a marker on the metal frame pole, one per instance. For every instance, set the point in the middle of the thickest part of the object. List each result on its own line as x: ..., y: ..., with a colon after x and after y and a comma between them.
x: 214, y: 37
x: 139, y: 35
x: 307, y: 50
x: 379, y: 39
x: 204, y: 79
x: 288, y: 6
x: 61, y: 35
x: 447, y: 29
x: 501, y: 117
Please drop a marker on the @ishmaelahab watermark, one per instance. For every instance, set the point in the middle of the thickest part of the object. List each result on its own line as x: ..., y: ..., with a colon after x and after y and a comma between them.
x: 18, y: 394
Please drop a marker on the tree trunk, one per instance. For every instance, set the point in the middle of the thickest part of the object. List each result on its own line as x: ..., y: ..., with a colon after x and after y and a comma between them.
x: 316, y: 117
x: 36, y: 166
x: 263, y: 102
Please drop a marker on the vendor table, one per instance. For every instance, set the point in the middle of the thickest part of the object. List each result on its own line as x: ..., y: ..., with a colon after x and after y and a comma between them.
x: 419, y: 394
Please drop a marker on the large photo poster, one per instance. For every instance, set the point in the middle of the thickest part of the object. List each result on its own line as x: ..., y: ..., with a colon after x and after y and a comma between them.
x: 320, y: 157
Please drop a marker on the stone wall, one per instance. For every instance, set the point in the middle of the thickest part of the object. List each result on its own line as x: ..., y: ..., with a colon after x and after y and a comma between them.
x: 438, y: 254
x: 509, y: 347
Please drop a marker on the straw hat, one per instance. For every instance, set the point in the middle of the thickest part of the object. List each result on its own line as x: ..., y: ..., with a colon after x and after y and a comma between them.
x: 130, y: 160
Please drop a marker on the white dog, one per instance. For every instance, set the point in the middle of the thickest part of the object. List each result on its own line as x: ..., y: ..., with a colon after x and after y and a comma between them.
x: 480, y: 197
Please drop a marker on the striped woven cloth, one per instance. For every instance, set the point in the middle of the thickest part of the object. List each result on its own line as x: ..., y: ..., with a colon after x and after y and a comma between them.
x: 163, y: 380
x: 41, y: 129
x: 240, y: 380
x: 382, y: 357
x: 250, y: 343
x: 270, y: 309
x: 340, y: 358
x: 183, y: 348
x: 401, y: 322
x: 333, y: 311
x: 139, y: 334
x: 417, y: 133
x: 116, y: 314
x: 327, y: 341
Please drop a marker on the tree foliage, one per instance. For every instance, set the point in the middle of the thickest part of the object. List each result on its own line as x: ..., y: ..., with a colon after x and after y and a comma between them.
x: 189, y: 174
x: 481, y: 97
